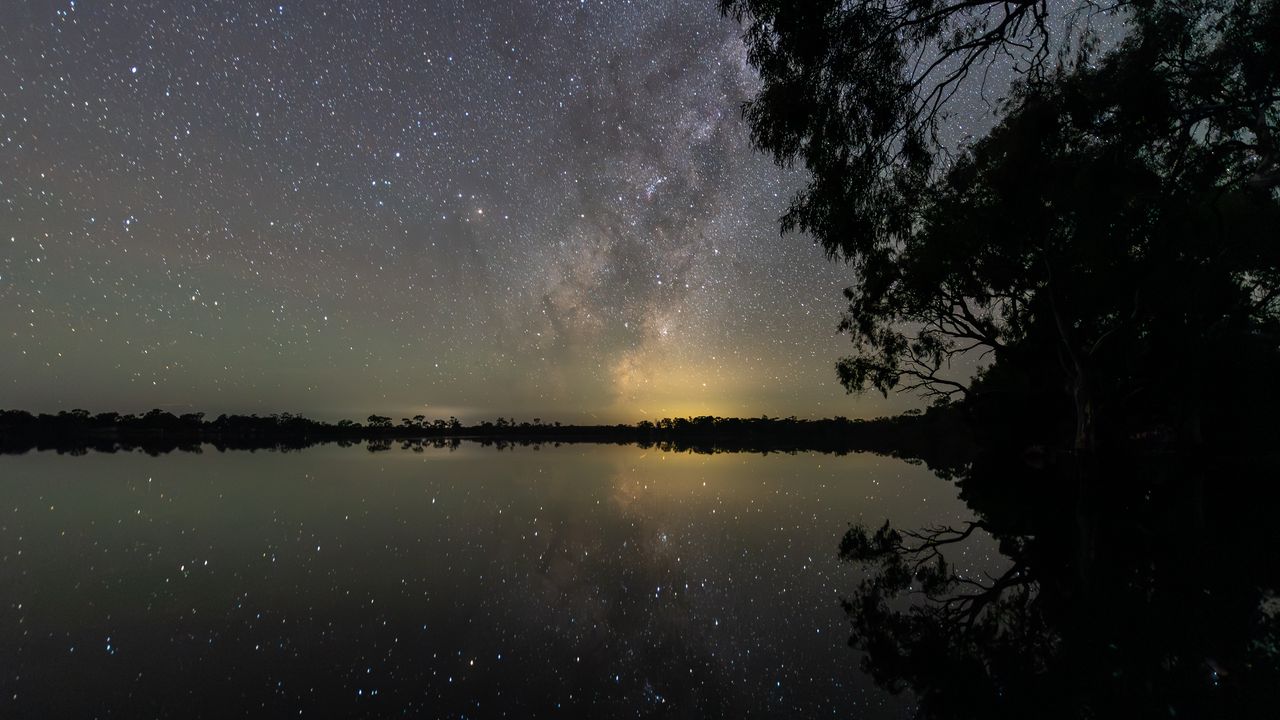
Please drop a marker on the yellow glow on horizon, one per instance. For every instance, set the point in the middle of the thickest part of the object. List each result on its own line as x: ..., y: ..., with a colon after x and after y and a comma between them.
x: 648, y: 386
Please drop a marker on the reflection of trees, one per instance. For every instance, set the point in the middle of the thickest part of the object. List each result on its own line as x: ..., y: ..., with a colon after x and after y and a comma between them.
x: 937, y: 436
x: 1139, y: 589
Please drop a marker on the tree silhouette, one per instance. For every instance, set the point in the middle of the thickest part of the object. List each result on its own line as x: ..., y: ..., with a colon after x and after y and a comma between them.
x: 938, y: 437
x: 1103, y: 244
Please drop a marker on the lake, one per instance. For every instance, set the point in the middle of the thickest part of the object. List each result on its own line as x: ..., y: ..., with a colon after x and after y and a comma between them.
x: 472, y: 582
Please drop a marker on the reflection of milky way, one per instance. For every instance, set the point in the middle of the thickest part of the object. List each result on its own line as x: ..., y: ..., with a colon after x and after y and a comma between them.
x: 701, y: 582
x: 576, y: 581
x: 481, y: 208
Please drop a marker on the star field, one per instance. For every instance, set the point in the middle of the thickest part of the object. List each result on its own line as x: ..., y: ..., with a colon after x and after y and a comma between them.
x: 466, y: 208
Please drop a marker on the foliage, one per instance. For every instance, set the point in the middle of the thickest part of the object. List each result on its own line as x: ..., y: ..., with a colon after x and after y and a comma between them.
x: 1110, y: 241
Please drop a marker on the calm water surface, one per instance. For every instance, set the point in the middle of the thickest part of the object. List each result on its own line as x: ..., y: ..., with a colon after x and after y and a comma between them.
x: 468, y: 583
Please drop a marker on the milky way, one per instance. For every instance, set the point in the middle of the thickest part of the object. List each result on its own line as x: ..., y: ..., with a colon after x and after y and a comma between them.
x: 474, y: 208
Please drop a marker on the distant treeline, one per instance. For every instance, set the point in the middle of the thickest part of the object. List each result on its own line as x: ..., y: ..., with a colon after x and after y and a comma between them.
x: 937, y: 436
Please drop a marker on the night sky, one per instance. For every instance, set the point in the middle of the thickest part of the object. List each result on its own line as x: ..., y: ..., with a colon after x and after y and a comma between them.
x: 544, y: 209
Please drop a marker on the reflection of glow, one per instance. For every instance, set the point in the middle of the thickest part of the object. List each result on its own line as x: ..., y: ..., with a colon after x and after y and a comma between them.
x: 695, y: 481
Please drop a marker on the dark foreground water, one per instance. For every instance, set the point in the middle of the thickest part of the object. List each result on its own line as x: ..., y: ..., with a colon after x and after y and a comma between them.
x: 585, y: 579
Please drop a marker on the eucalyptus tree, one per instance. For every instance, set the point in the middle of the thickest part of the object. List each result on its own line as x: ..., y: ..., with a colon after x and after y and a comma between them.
x: 1111, y: 237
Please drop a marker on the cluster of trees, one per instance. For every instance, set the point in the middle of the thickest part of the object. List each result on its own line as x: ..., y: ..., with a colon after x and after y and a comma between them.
x: 937, y: 436
x: 72, y: 422
x: 1107, y: 252
x: 78, y: 421
x: 418, y: 423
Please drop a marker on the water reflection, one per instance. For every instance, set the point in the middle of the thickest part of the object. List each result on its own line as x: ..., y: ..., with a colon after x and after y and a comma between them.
x: 596, y: 580
x: 1134, y: 588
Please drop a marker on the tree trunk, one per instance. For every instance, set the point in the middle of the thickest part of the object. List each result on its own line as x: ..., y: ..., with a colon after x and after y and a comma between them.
x: 1074, y: 366
x: 1080, y: 392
